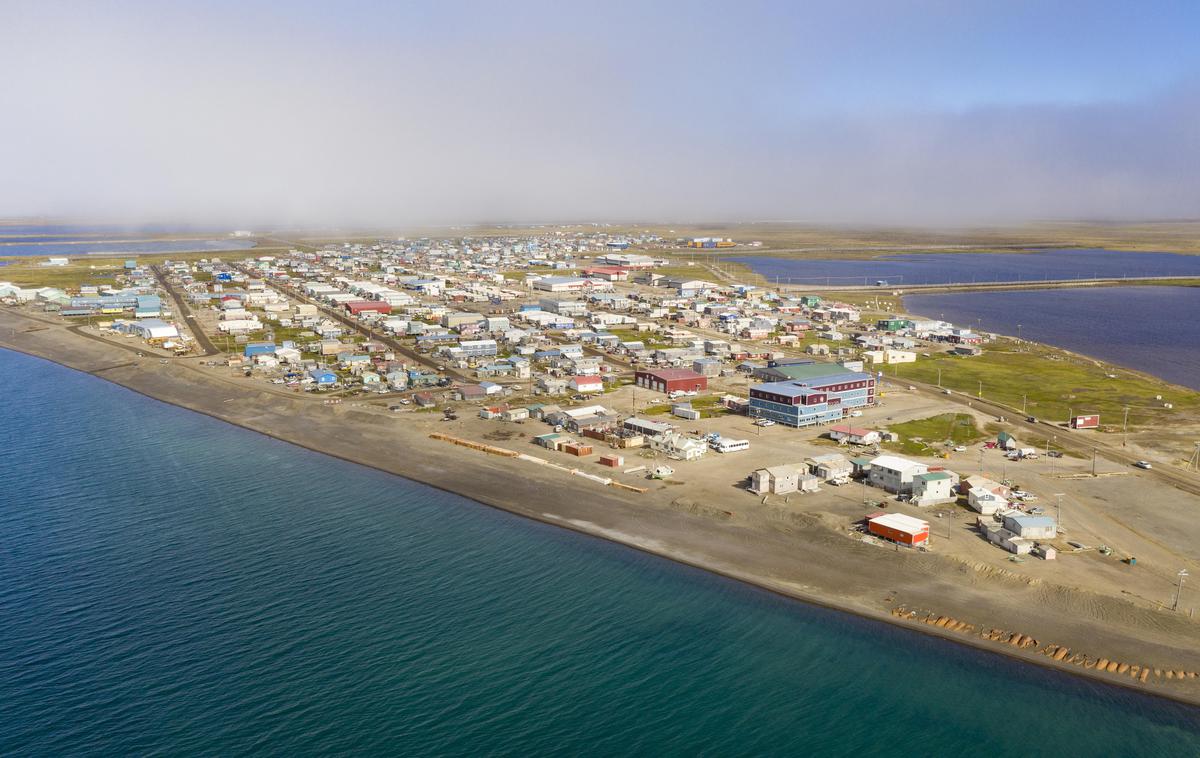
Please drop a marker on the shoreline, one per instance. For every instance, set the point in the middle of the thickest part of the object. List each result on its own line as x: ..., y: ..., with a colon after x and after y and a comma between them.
x: 504, y: 498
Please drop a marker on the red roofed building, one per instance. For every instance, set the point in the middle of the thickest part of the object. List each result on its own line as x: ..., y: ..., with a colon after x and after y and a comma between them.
x: 671, y: 380
x: 586, y: 384
x: 608, y: 273
x: 363, y: 306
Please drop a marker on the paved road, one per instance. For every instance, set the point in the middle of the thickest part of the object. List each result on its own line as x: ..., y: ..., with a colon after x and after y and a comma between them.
x: 358, y: 327
x: 185, y: 313
x: 1068, y: 439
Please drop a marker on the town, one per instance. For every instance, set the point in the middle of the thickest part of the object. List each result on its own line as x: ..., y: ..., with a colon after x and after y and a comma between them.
x: 579, y: 352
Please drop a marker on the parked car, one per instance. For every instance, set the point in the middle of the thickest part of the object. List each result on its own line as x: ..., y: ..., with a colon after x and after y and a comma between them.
x: 764, y: 422
x: 960, y: 448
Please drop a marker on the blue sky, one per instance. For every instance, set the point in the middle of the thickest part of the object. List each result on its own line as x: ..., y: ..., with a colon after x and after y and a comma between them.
x: 357, y: 112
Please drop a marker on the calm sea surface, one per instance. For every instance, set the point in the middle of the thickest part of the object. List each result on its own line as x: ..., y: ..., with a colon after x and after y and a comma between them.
x: 173, y: 585
x: 97, y: 247
x: 1151, y: 329
x: 942, y: 268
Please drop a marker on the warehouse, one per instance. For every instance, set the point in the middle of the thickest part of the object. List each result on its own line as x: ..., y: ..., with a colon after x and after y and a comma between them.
x: 355, y: 307
x: 671, y: 380
x: 897, y: 527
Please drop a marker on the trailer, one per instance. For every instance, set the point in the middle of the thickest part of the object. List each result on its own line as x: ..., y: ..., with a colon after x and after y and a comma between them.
x: 1091, y: 421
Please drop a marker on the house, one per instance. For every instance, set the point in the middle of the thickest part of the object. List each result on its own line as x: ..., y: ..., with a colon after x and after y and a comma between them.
x: 985, y: 502
x: 1011, y: 542
x: 677, y: 446
x: 470, y: 392
x: 1030, y: 527
x: 933, y: 487
x: 775, y: 480
x: 897, y: 527
x: 515, y: 414
x: 894, y: 474
x: 669, y: 380
x: 830, y: 467
x: 853, y: 435
x: 323, y: 377
x: 586, y: 384
x: 1006, y: 441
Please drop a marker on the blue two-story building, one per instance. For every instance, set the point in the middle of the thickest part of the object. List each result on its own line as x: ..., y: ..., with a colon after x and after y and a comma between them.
x: 817, y: 394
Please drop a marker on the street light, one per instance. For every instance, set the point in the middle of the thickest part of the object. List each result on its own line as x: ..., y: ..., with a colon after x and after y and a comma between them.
x: 1183, y: 574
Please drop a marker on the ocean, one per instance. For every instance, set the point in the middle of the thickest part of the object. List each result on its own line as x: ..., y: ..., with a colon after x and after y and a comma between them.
x: 170, y: 584
x: 942, y: 268
x: 1151, y: 329
x: 99, y: 247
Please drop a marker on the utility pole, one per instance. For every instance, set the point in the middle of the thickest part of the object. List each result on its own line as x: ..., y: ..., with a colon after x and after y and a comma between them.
x: 1125, y: 428
x: 1058, y: 509
x: 1093, y: 461
x: 1183, y: 574
x: 1023, y: 400
x: 939, y: 378
x: 980, y: 388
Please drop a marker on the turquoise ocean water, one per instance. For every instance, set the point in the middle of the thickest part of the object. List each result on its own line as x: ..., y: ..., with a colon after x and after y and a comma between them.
x: 173, y: 585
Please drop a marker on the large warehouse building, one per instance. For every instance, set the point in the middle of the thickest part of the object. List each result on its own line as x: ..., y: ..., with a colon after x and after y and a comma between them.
x: 671, y: 380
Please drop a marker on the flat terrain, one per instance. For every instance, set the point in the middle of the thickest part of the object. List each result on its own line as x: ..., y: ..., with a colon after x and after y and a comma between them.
x: 1099, y: 607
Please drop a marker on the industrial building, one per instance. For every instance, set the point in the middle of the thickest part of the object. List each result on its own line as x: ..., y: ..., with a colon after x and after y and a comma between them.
x: 668, y: 380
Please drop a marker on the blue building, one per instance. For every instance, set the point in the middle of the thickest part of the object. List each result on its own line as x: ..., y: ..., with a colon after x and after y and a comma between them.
x: 323, y: 377
x: 818, y: 394
x: 259, y: 348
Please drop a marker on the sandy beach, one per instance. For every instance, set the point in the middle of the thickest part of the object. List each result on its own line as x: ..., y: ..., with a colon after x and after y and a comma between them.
x: 1081, y: 631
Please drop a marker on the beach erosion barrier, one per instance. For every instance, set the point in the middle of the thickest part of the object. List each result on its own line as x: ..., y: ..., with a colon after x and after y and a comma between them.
x: 506, y: 453
x: 1056, y: 653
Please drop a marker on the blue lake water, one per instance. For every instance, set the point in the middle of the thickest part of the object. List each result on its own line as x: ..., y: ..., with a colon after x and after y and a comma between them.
x: 98, y: 246
x: 943, y: 268
x: 1151, y: 329
x: 170, y: 584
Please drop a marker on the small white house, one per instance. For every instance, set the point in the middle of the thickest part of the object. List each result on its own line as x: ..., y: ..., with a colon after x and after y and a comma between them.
x: 934, y: 487
x: 854, y: 435
x: 586, y: 384
x: 677, y: 446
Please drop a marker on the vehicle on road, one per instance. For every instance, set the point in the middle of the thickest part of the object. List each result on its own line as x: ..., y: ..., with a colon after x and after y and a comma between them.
x: 1144, y: 464
x: 1031, y: 419
x: 960, y: 448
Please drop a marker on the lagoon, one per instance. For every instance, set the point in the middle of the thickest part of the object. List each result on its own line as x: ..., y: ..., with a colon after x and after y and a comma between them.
x: 966, y: 268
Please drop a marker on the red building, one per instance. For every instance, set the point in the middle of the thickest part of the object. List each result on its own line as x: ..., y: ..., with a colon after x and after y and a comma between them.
x: 671, y: 380
x: 609, y: 273
x: 363, y: 306
x: 1086, y: 422
x: 898, y: 527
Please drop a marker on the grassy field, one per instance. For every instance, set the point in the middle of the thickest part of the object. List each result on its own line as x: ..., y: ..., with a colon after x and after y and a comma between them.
x: 1051, y: 384
x: 28, y: 271
x: 708, y: 405
x: 929, y: 435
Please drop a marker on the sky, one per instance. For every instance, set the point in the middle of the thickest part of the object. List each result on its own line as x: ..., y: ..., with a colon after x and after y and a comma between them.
x: 934, y: 113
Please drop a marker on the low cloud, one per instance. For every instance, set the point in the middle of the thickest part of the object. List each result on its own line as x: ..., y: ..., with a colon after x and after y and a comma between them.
x: 246, y: 119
